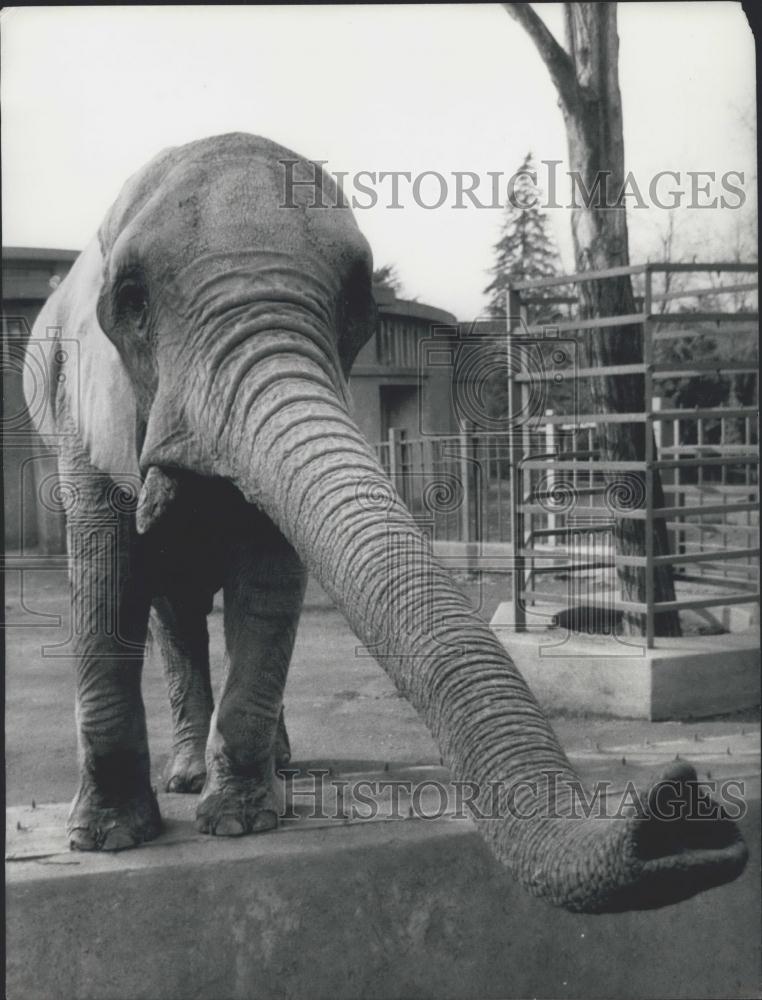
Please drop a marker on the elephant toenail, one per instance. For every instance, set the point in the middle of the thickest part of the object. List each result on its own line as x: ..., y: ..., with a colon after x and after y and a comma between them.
x: 229, y: 826
x: 81, y: 839
x: 265, y: 820
x: 118, y: 839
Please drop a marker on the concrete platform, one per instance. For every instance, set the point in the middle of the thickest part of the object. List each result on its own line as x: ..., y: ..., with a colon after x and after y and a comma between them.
x: 387, y: 908
x: 684, y: 678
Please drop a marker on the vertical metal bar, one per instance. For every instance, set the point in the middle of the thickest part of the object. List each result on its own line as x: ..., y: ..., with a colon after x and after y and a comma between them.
x: 500, y: 470
x: 525, y: 485
x: 648, y: 360
x: 498, y: 492
x: 404, y: 466
x: 550, y: 480
x: 477, y: 482
x: 725, y: 543
x: 465, y: 485
x: 658, y: 425
x: 747, y: 440
x: 392, y: 445
x: 700, y: 454
x: 576, y: 439
x: 679, y: 535
x: 515, y: 449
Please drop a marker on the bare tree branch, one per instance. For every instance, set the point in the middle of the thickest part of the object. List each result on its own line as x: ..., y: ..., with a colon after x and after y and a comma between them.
x: 556, y: 59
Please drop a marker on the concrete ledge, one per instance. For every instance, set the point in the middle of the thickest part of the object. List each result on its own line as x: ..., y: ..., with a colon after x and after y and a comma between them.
x: 410, y: 908
x: 690, y: 677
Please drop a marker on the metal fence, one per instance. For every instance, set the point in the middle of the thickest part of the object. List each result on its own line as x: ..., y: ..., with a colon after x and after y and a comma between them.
x: 431, y: 474
x: 457, y: 486
x: 702, y: 536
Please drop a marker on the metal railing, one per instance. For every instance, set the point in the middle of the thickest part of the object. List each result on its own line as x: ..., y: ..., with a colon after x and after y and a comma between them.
x: 456, y: 486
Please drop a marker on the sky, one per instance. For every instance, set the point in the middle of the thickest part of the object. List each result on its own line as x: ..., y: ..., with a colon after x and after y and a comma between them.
x: 90, y: 94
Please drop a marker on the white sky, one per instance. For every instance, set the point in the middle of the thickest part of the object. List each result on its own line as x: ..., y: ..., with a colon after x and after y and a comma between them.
x: 89, y: 94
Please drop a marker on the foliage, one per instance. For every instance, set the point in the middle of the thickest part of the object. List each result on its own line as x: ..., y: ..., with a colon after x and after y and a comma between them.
x: 526, y: 250
x: 388, y: 277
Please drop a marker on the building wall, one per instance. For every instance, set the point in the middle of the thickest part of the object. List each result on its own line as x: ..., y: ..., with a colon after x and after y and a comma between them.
x: 397, y: 380
x: 366, y: 406
x: 21, y: 529
x: 29, y: 276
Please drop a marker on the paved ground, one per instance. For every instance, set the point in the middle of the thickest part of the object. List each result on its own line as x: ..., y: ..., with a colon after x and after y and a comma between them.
x: 340, y: 706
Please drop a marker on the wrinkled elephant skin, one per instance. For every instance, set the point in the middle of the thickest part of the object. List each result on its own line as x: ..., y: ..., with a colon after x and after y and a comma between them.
x: 216, y: 328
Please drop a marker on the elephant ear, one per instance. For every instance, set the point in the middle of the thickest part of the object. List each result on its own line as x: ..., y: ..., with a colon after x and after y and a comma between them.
x: 77, y: 389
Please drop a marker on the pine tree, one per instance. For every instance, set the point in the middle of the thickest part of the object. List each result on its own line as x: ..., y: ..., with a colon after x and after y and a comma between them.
x: 388, y: 277
x: 526, y: 249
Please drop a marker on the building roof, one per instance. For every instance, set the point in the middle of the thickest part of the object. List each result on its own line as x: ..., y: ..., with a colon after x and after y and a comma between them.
x: 414, y: 310
x: 39, y: 253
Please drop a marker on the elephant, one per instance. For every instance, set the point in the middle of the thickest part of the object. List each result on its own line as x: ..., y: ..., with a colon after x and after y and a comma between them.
x: 215, y: 322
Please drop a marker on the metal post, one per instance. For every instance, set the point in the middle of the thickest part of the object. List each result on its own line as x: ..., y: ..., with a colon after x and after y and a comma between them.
x: 648, y: 360
x: 658, y: 425
x: 550, y: 449
x: 465, y: 484
x: 700, y: 453
x: 392, y: 438
x: 515, y: 450
x: 747, y: 440
x: 678, y: 501
x: 477, y: 482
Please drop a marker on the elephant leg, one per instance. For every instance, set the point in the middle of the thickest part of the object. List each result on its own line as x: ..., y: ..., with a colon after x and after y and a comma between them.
x: 263, y: 591
x: 115, y: 806
x: 179, y: 633
x: 282, y: 743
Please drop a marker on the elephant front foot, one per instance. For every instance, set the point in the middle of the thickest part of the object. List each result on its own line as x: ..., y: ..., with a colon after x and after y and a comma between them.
x: 186, y: 770
x: 101, y: 823
x: 238, y: 800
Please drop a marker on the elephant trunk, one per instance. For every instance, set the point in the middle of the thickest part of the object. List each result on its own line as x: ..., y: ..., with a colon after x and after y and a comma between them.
x: 284, y: 436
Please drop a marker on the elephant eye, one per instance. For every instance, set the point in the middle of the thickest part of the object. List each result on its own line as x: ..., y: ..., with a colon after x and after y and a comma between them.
x: 132, y: 301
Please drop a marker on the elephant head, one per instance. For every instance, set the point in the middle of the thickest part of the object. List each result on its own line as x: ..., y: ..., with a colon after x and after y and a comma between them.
x: 236, y: 312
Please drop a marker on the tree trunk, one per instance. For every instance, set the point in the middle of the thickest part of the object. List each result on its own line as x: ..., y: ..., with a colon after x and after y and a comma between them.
x: 586, y: 77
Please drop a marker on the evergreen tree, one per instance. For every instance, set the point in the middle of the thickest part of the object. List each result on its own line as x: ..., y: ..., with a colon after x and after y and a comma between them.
x: 526, y: 249
x: 387, y: 277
